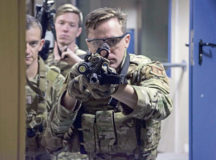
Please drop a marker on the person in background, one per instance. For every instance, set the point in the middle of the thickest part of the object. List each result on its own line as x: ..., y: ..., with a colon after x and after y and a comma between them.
x: 118, y: 121
x: 68, y: 25
x: 42, y: 91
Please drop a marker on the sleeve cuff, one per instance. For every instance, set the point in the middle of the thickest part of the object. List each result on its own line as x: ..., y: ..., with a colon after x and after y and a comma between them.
x: 143, y: 103
x: 64, y: 118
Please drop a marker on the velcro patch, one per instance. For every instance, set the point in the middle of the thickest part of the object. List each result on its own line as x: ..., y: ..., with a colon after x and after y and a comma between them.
x: 28, y: 99
x: 157, y: 71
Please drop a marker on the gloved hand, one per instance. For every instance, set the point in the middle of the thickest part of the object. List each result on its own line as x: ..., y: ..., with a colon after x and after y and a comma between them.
x: 77, y: 87
x: 102, y: 91
x: 77, y: 84
x: 74, y: 71
x: 80, y: 87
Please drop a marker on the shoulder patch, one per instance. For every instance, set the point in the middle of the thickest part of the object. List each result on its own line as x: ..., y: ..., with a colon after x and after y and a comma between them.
x: 157, y: 69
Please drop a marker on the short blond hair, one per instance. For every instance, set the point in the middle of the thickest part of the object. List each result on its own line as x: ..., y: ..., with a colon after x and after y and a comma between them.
x: 69, y: 8
x: 100, y: 15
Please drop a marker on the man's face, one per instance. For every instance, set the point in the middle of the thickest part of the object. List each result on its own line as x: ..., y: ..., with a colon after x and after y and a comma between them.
x: 33, y: 45
x: 67, y: 28
x: 111, y: 32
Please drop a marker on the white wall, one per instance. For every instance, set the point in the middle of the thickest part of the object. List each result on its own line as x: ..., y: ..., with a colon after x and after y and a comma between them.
x: 175, y: 130
x: 180, y: 36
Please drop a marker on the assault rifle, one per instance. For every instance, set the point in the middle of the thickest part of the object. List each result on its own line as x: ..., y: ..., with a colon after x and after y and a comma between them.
x: 96, y: 68
x: 45, y: 14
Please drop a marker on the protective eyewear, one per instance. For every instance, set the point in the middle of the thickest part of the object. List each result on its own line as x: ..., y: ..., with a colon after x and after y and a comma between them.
x: 111, y: 41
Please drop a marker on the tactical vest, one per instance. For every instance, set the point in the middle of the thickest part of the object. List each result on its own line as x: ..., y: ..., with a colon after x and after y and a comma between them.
x: 108, y: 133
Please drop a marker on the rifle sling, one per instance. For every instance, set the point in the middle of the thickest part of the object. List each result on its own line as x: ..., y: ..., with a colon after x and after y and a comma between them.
x: 113, y: 102
x: 125, y: 65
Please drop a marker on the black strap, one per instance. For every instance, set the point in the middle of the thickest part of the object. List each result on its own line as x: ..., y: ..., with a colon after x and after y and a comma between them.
x: 35, y: 88
x: 125, y: 65
x: 113, y: 102
x: 138, y: 149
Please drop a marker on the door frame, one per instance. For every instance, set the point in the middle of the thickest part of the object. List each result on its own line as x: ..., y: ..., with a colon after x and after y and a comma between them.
x: 12, y: 81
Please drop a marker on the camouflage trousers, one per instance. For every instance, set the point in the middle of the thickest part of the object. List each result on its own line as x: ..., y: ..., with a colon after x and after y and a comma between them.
x: 152, y: 155
x: 34, y: 150
x: 70, y: 156
x: 77, y: 156
x: 37, y: 156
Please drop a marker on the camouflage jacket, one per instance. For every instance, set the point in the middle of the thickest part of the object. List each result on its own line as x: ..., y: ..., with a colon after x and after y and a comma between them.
x: 63, y: 66
x: 42, y: 93
x: 120, y: 132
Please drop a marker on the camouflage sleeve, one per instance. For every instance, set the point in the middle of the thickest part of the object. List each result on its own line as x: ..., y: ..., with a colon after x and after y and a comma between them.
x: 59, y: 121
x: 56, y: 88
x: 60, y: 118
x: 152, y: 91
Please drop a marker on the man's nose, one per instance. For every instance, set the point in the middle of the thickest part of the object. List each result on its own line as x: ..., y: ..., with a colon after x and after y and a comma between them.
x: 27, y: 48
x: 110, y: 53
x: 66, y: 27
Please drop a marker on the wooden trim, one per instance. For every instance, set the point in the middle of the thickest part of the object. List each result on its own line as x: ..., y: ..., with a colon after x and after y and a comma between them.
x: 21, y: 77
x: 12, y: 101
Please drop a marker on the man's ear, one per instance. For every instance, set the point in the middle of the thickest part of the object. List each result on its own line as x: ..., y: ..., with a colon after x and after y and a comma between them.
x: 87, y: 43
x: 79, y: 32
x: 127, y: 40
x: 41, y: 44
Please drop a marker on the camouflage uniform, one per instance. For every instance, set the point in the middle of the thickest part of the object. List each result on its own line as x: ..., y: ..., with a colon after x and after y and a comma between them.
x: 41, y: 94
x: 64, y: 66
x: 120, y: 133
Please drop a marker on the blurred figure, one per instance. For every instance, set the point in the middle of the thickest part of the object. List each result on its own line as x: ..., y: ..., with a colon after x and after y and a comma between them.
x: 68, y: 26
x: 42, y: 91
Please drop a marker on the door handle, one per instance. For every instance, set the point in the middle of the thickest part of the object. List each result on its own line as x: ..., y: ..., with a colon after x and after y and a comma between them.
x: 201, y: 45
